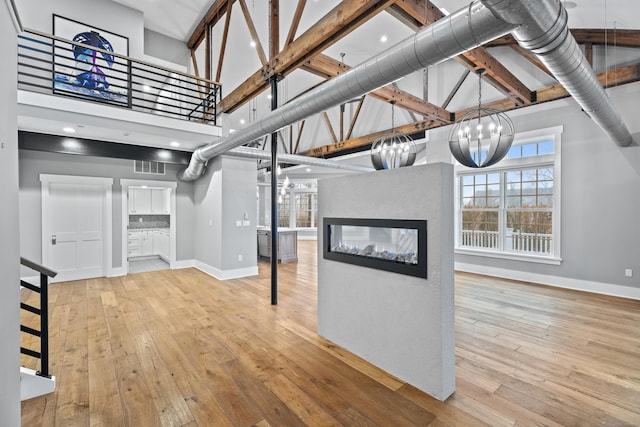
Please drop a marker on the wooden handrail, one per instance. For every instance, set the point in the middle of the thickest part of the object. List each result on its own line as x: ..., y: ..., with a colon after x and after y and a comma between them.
x: 37, y: 267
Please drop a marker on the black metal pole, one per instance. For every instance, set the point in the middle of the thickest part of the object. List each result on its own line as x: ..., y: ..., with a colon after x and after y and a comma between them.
x: 44, y: 326
x: 274, y: 196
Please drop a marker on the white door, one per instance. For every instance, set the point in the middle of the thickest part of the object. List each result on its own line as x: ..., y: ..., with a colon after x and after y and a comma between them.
x: 73, y: 243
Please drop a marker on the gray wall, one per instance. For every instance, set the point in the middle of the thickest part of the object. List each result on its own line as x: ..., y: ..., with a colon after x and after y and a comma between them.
x: 107, y: 15
x: 600, y: 192
x: 10, y: 242
x: 222, y: 196
x: 34, y: 163
x: 403, y: 324
x: 165, y: 47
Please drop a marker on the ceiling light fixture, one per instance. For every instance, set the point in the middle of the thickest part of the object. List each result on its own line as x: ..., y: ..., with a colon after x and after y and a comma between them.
x: 69, y: 130
x: 253, y: 43
x: 175, y: 144
x: 483, y: 136
x: 308, y: 169
x: 393, y: 149
x: 242, y: 121
x: 383, y: 39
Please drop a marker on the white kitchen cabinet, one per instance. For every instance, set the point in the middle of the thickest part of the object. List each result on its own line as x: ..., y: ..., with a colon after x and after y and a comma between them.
x: 149, y: 201
x: 160, y: 201
x: 147, y: 243
x: 139, y: 201
x: 134, y: 244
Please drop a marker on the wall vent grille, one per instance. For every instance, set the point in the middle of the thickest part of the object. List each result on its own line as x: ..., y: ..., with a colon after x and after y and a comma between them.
x: 153, y: 168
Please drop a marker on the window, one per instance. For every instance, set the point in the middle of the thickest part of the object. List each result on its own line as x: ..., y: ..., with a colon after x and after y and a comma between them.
x: 512, y: 209
x: 283, y: 211
x: 306, y: 209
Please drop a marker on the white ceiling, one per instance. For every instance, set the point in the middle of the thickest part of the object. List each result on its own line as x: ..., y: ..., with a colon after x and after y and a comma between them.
x: 178, y: 18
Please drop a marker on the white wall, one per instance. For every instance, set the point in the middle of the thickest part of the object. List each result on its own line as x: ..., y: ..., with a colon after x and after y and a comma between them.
x: 166, y: 48
x: 400, y: 323
x: 104, y: 14
x: 10, y: 241
x: 600, y: 199
x: 33, y: 163
x: 222, y: 197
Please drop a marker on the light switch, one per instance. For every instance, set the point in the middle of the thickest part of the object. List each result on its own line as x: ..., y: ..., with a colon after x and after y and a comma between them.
x: 246, y: 223
x: 238, y: 223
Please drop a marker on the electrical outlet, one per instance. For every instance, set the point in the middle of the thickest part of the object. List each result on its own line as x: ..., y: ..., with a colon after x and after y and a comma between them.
x: 628, y: 272
x: 239, y: 223
x: 239, y: 257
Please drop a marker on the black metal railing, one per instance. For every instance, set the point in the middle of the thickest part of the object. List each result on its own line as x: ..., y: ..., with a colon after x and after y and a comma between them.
x: 42, y: 311
x: 50, y: 64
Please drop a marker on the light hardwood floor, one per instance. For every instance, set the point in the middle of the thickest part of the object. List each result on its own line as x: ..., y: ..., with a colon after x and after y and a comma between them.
x: 179, y: 348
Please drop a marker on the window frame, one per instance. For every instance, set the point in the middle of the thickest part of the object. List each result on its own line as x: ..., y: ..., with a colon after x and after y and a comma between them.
x: 530, y: 162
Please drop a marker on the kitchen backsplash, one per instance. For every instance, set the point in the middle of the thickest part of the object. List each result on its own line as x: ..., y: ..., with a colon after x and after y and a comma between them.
x: 148, y: 221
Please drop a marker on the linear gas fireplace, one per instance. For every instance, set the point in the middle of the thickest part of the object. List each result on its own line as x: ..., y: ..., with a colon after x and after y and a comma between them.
x: 393, y: 245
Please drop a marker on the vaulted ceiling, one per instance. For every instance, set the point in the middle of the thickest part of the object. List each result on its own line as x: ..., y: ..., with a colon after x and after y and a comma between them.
x: 309, y: 41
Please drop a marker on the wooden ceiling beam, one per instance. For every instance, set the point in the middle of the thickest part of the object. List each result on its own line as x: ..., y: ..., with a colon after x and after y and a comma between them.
x: 274, y: 28
x: 365, y: 140
x: 253, y: 32
x: 418, y: 13
x: 223, y: 42
x: 613, y: 37
x: 340, y: 21
x: 295, y: 22
x: 213, y: 15
x: 326, y: 67
x: 619, y: 76
x: 415, y: 13
x: 496, y: 74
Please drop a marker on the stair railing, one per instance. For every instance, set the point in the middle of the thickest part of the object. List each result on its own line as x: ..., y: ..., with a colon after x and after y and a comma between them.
x: 53, y: 65
x: 42, y: 311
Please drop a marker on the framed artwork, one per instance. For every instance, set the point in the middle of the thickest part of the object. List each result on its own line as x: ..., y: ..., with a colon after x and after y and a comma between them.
x: 86, y: 73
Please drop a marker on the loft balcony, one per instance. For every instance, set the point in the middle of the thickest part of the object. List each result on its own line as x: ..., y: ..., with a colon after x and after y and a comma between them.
x: 118, y: 98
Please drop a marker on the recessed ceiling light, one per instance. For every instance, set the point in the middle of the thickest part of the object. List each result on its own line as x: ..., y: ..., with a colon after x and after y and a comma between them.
x: 308, y: 169
x: 241, y: 121
x: 252, y: 44
x: 269, y: 96
x: 232, y: 130
x: 146, y: 88
x: 69, y: 130
x: 383, y: 39
x: 175, y: 144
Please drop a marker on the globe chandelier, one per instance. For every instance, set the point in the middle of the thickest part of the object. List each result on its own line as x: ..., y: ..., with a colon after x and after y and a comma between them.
x: 482, y: 136
x: 394, y: 149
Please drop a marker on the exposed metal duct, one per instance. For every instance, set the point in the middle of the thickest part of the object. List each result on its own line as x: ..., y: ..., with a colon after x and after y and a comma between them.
x: 254, y: 153
x: 542, y: 29
x: 537, y: 25
x: 463, y: 30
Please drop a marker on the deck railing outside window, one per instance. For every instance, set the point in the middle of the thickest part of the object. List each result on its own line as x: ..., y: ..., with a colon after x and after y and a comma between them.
x: 53, y: 65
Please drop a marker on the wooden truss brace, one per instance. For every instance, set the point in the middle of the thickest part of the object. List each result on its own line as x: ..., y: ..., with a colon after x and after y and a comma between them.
x: 619, y: 76
x: 341, y: 20
x: 419, y: 13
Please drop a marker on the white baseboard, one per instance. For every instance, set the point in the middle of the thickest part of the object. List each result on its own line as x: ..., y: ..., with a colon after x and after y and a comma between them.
x: 226, y: 274
x: 184, y: 263
x: 118, y: 271
x: 555, y: 281
x: 307, y: 237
